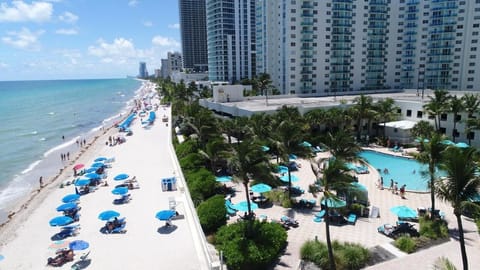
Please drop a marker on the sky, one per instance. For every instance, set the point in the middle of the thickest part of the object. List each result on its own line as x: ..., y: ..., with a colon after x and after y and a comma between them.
x: 85, y: 39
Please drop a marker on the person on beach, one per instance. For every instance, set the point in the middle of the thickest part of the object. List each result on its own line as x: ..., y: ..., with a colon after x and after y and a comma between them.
x: 402, y: 191
x: 68, y: 155
x: 63, y: 137
x: 391, y: 184
x: 41, y: 181
x: 395, y: 188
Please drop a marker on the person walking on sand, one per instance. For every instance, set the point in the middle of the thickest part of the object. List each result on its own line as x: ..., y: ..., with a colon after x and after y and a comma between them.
x: 391, y: 184
x: 395, y: 188
x: 68, y: 155
x: 41, y: 181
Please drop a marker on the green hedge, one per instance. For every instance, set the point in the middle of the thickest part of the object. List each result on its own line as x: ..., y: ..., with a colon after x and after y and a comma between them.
x: 348, y: 256
x: 433, y: 229
x: 251, y: 245
x: 406, y: 244
x: 201, y: 184
x: 212, y: 213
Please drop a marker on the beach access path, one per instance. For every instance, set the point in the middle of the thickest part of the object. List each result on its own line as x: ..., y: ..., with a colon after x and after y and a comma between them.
x: 25, y: 240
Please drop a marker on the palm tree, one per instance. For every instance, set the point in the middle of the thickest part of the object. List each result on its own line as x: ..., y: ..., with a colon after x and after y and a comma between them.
x: 437, y: 106
x: 387, y: 110
x: 215, y: 151
x: 455, y: 106
x: 422, y: 129
x: 248, y: 162
x: 471, y: 104
x: 431, y: 155
x: 262, y: 82
x: 335, y: 176
x: 342, y: 145
x: 336, y: 118
x: 361, y: 110
x: 460, y: 185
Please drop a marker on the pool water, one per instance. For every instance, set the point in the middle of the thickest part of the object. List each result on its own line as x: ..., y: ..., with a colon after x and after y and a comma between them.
x: 401, y: 169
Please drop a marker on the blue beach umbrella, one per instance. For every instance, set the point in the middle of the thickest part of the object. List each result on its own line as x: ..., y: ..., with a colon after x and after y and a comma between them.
x: 243, y: 206
x: 93, y: 175
x: 265, y: 148
x: 165, y: 214
x: 97, y: 164
x: 260, y: 188
x: 109, y: 214
x: 293, y: 177
x: 70, y: 198
x: 121, y: 176
x: 78, y: 245
x: 120, y: 191
x: 67, y: 207
x: 462, y: 145
x: 403, y: 211
x: 331, y: 203
x: 306, y: 144
x: 282, y: 169
x: 91, y: 170
x: 447, y: 142
x: 2, y: 257
x: 82, y: 182
x: 60, y: 221
x: 100, y: 159
x: 223, y: 179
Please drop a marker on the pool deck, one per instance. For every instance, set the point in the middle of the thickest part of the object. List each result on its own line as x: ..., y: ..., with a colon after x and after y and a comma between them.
x: 365, y: 230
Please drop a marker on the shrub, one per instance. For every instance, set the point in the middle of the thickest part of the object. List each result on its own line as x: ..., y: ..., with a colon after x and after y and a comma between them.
x: 406, y: 244
x: 212, y: 214
x: 192, y: 161
x: 185, y: 148
x: 346, y: 255
x: 251, y: 244
x: 356, y: 208
x: 433, y: 229
x: 477, y: 221
x: 201, y: 184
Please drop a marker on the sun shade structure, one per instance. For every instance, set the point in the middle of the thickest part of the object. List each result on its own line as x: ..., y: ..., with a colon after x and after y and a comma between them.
x: 165, y: 214
x: 108, y: 214
x: 403, y: 211
x: 331, y: 203
x: 260, y: 188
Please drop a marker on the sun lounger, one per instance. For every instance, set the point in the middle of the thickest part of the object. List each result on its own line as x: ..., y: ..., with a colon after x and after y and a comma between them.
x: 320, y: 214
x: 119, y: 229
x: 289, y: 221
x: 352, y: 219
x: 230, y: 210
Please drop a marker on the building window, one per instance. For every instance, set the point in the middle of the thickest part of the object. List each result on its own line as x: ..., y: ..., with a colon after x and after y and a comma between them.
x: 443, y: 130
x: 409, y: 113
x: 456, y: 133
x: 419, y: 114
x: 443, y: 117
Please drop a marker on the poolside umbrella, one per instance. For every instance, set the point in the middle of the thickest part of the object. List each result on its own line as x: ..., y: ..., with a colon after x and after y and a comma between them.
x: 447, y: 142
x: 109, y: 214
x: 120, y: 191
x: 91, y: 170
x: 60, y: 221
x: 261, y: 188
x: 282, y: 169
x: 59, y: 244
x: 93, y: 175
x: 82, y: 182
x: 243, y: 206
x: 422, y: 140
x: 223, y: 179
x: 165, y: 214
x: 334, y: 203
x: 70, y: 198
x: 265, y: 148
x: 294, y: 178
x: 78, y: 166
x: 78, y: 245
x: 121, y: 176
x: 403, y: 211
x: 462, y: 145
x: 2, y: 257
x: 97, y: 164
x: 99, y: 159
x: 306, y: 144
x: 67, y: 207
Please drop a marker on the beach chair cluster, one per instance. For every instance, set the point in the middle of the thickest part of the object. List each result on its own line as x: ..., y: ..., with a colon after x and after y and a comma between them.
x: 397, y: 149
x: 115, y: 226
x: 335, y: 218
x: 231, y: 211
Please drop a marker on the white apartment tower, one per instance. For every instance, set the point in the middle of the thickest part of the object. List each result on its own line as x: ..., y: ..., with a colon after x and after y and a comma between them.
x: 323, y: 47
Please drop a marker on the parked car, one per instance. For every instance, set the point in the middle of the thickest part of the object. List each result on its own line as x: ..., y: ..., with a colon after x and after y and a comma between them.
x: 401, y: 229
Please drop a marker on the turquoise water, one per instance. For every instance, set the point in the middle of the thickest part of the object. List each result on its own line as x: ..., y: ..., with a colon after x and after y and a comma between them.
x: 36, y: 114
x: 400, y: 169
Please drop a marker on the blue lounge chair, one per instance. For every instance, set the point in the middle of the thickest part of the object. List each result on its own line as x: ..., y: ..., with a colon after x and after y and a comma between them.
x: 352, y: 219
x: 320, y: 214
x: 230, y: 210
x: 317, y: 219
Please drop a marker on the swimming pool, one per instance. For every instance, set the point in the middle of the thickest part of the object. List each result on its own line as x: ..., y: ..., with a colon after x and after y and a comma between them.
x: 401, y: 169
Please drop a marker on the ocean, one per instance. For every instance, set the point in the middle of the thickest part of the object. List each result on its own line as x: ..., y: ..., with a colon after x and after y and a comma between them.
x: 40, y: 120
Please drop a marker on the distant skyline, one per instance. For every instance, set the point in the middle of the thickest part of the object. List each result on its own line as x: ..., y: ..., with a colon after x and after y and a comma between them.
x: 85, y: 39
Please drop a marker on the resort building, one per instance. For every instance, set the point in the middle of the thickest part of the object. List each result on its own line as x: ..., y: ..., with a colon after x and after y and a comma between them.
x: 317, y: 47
x: 231, y: 39
x: 193, y: 31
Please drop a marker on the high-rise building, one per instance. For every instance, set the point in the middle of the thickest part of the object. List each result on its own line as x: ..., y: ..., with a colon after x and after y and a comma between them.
x: 171, y: 64
x: 320, y: 47
x: 231, y: 39
x: 142, y: 70
x: 193, y: 31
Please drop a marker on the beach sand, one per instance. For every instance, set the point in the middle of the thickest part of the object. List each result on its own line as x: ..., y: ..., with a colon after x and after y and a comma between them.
x: 26, y: 238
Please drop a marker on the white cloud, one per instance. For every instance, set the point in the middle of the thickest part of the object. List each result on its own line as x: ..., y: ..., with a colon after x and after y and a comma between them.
x: 3, y: 65
x: 133, y: 3
x: 165, y: 42
x: 68, y: 17
x: 174, y: 26
x: 23, y: 39
x: 148, y: 24
x: 119, y: 49
x: 20, y: 11
x: 66, y: 31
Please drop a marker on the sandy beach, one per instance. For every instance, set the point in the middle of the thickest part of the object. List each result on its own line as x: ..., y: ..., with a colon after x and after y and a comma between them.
x: 147, y: 244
